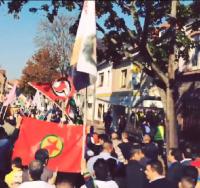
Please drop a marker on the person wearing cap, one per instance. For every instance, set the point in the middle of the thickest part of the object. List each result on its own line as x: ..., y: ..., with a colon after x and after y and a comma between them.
x: 135, y: 176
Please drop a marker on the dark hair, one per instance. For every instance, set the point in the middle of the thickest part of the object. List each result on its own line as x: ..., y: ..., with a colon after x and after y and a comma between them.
x: 42, y: 155
x: 191, y: 172
x: 17, y: 162
x: 64, y: 181
x: 187, y: 151
x: 177, y: 154
x: 35, y: 170
x: 189, y: 180
x: 2, y: 132
x: 135, y: 149
x: 157, y: 166
x: 101, y: 170
x: 103, y: 137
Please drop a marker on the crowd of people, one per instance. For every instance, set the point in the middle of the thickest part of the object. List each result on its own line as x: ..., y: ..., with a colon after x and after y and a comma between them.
x: 115, y: 159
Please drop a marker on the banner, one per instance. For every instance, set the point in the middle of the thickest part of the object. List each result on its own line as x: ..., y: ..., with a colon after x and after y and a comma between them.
x: 84, y: 51
x: 63, y: 143
x: 37, y: 101
x: 11, y: 97
x: 60, y: 89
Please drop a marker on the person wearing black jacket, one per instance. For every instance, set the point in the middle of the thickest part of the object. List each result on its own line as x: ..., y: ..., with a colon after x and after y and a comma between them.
x: 135, y: 176
x: 150, y: 149
x: 175, y: 169
x: 154, y: 172
x: 6, y: 146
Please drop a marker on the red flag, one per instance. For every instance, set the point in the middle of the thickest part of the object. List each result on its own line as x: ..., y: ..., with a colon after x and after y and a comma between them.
x: 63, y: 143
x: 45, y: 89
x: 60, y: 89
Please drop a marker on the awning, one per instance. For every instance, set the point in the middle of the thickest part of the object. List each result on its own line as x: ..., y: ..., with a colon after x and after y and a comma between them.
x: 132, y: 101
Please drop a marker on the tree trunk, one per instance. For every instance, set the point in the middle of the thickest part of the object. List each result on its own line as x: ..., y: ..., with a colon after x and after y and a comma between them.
x: 171, y: 127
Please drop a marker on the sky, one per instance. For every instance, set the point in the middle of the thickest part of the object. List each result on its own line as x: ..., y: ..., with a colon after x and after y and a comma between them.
x: 17, y: 38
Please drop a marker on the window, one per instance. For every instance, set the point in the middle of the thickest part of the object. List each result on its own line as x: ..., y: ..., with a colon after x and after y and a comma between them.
x: 101, y: 79
x: 196, y: 56
x: 108, y: 79
x: 100, y: 111
x: 123, y: 78
x: 89, y: 105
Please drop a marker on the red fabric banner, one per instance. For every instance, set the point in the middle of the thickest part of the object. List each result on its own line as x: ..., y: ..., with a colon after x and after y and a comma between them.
x: 45, y: 89
x: 58, y: 90
x: 63, y: 143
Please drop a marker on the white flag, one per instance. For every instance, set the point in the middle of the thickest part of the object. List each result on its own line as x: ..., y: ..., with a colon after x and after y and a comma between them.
x: 11, y: 97
x: 37, y: 101
x: 84, y: 52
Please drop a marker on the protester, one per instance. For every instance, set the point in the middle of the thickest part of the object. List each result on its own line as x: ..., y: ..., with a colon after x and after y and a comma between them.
x: 187, y: 156
x: 94, y: 144
x: 6, y: 146
x: 116, y: 141
x: 64, y: 183
x: 175, y: 169
x: 3, y: 184
x: 14, y: 178
x: 196, y: 164
x: 187, y: 182
x: 189, y: 177
x: 160, y: 137
x: 155, y: 174
x: 107, y: 122
x: 150, y: 149
x: 125, y: 146
x: 102, y: 175
x: 35, y: 170
x: 121, y: 124
x: 135, y: 176
x: 41, y: 155
x: 105, y: 154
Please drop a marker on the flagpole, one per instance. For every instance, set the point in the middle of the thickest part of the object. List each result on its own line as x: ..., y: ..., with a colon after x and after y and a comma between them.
x: 94, y: 101
x: 84, y: 123
x: 1, y: 109
x: 4, y: 113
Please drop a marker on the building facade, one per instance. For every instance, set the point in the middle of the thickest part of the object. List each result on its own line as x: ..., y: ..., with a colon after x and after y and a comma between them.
x: 119, y: 87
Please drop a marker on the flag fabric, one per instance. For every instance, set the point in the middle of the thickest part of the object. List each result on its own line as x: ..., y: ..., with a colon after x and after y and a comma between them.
x: 37, y: 101
x: 45, y: 89
x: 84, y: 51
x: 58, y: 90
x: 11, y: 97
x: 63, y: 143
x: 22, y: 100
